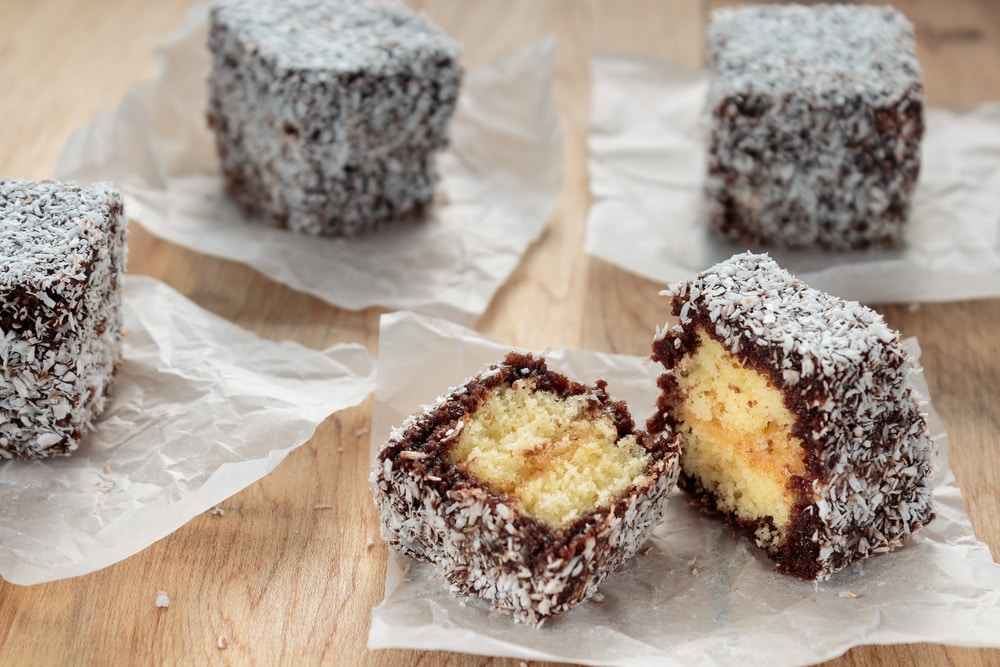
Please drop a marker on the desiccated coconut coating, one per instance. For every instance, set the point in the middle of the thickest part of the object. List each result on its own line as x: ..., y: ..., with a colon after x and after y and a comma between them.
x: 483, y: 541
x: 328, y: 113
x: 816, y: 118
x: 62, y: 253
x: 859, y: 479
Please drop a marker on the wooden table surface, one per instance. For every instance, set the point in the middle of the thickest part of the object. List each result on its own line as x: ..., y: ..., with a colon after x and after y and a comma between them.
x: 285, y: 583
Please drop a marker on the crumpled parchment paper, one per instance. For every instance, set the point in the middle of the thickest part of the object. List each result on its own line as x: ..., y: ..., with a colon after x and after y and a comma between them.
x: 500, y: 180
x: 647, y: 163
x: 697, y: 595
x: 200, y: 409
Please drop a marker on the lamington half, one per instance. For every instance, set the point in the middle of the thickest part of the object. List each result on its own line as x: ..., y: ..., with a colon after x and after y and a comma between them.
x: 327, y: 114
x: 815, y: 124
x: 63, y: 254
x: 523, y: 487
x: 799, y: 421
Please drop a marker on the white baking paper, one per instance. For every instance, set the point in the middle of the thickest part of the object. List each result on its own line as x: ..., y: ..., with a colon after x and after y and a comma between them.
x: 698, y: 595
x: 647, y: 162
x: 200, y: 409
x: 500, y: 180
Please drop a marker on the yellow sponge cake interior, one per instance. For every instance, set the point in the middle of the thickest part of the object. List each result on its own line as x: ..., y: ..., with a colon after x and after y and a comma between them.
x: 559, y: 458
x: 737, y: 434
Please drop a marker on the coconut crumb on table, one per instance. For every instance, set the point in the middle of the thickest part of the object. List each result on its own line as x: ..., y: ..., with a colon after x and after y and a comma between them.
x: 217, y: 511
x: 222, y: 643
x: 162, y: 599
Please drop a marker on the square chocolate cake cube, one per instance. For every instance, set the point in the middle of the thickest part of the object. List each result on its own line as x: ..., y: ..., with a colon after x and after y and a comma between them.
x: 63, y: 254
x: 816, y: 119
x: 327, y: 114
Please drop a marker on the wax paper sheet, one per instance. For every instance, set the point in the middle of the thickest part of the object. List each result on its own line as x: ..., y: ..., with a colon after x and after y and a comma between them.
x: 200, y: 409
x: 697, y: 595
x: 499, y: 183
x: 647, y: 162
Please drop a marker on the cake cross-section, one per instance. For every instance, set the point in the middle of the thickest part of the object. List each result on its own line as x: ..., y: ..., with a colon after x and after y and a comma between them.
x: 815, y: 124
x: 63, y: 253
x: 523, y: 487
x: 799, y: 421
x: 327, y: 114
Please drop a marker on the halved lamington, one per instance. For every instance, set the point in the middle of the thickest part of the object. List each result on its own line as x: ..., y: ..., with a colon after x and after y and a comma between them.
x: 328, y: 114
x: 62, y: 254
x: 523, y: 487
x: 798, y: 417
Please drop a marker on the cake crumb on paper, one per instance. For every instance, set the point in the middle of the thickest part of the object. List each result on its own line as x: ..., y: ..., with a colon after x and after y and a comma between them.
x: 848, y: 595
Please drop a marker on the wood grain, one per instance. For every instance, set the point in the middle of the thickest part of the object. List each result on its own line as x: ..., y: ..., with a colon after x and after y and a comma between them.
x: 289, y: 573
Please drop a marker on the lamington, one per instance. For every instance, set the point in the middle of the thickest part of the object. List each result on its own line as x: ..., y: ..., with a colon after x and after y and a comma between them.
x: 815, y: 122
x: 523, y: 487
x: 799, y: 420
x: 63, y: 253
x: 328, y: 114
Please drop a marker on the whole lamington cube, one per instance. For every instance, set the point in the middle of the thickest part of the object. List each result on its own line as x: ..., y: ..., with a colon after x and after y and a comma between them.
x: 328, y: 113
x: 63, y: 253
x: 816, y: 118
